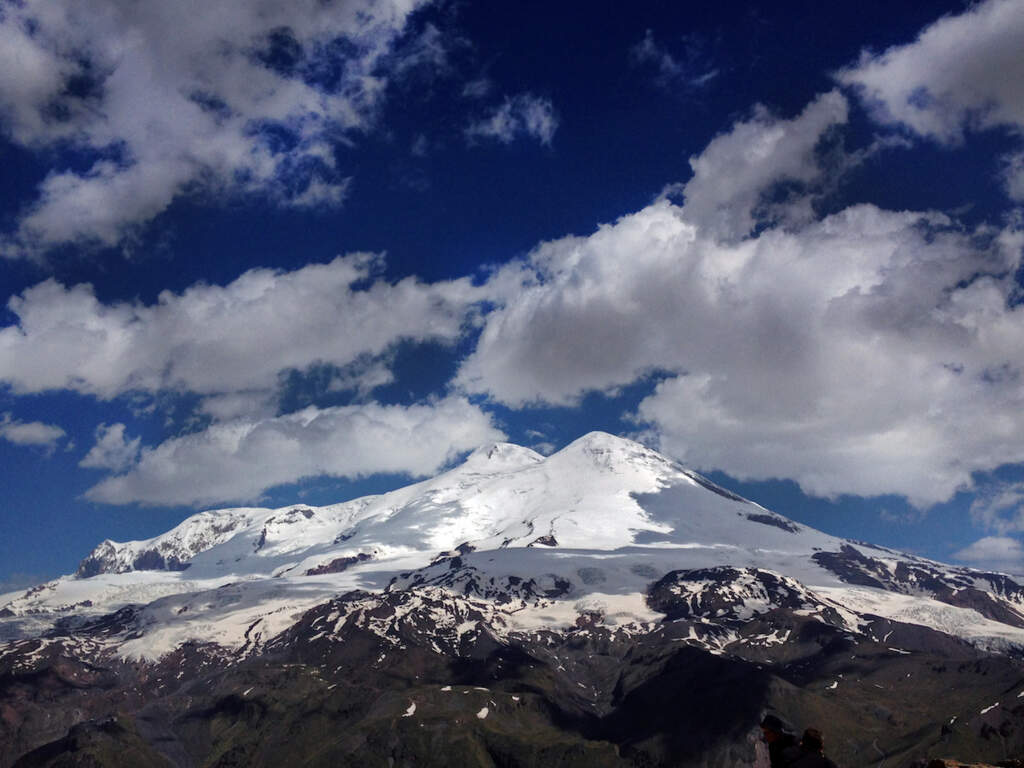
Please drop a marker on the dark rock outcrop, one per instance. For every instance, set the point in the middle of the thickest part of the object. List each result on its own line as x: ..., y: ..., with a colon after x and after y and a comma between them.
x: 339, y: 564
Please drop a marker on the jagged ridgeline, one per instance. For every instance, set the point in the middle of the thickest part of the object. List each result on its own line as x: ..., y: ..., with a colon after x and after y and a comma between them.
x: 603, y: 606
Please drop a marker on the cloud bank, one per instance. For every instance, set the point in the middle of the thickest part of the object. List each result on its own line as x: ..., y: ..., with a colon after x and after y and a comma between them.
x: 174, y: 98
x: 215, y: 340
x: 867, y: 352
x: 233, y: 346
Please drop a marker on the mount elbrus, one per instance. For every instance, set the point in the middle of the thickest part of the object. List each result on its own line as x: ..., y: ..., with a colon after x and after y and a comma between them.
x: 603, y: 606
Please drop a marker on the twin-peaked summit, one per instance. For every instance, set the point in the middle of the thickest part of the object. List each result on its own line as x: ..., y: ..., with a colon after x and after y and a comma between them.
x: 596, y: 529
x: 593, y: 494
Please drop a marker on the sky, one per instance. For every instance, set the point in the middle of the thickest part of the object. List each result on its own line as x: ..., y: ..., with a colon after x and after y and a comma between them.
x: 274, y: 252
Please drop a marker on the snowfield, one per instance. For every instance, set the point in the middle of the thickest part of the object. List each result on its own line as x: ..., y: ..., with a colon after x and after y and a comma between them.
x: 590, y: 528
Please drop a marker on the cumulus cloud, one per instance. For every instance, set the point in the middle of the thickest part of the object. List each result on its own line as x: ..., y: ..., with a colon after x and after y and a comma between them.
x: 868, y: 352
x: 238, y: 460
x: 34, y: 433
x: 170, y: 98
x: 962, y: 72
x: 726, y: 194
x: 112, y: 450
x: 224, y: 340
x: 523, y: 115
x: 1000, y: 553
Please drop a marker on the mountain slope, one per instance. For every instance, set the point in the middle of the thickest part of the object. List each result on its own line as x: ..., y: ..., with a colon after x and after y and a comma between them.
x: 580, y: 582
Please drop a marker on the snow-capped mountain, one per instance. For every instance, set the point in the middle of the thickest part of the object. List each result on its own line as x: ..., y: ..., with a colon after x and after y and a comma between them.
x: 604, y: 516
x: 605, y: 545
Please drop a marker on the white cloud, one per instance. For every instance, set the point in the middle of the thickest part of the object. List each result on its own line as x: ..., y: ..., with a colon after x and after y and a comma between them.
x: 582, y: 287
x: 112, y: 450
x: 1000, y: 508
x: 869, y: 352
x: 235, y: 405
x: 184, y: 97
x: 238, y: 460
x: 999, y: 553
x: 523, y: 115
x: 962, y: 72
x: 725, y: 194
x: 34, y: 433
x: 216, y: 340
x: 230, y: 344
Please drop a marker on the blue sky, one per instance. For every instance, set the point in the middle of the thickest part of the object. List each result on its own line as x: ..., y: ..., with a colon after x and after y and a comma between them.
x: 306, y: 251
